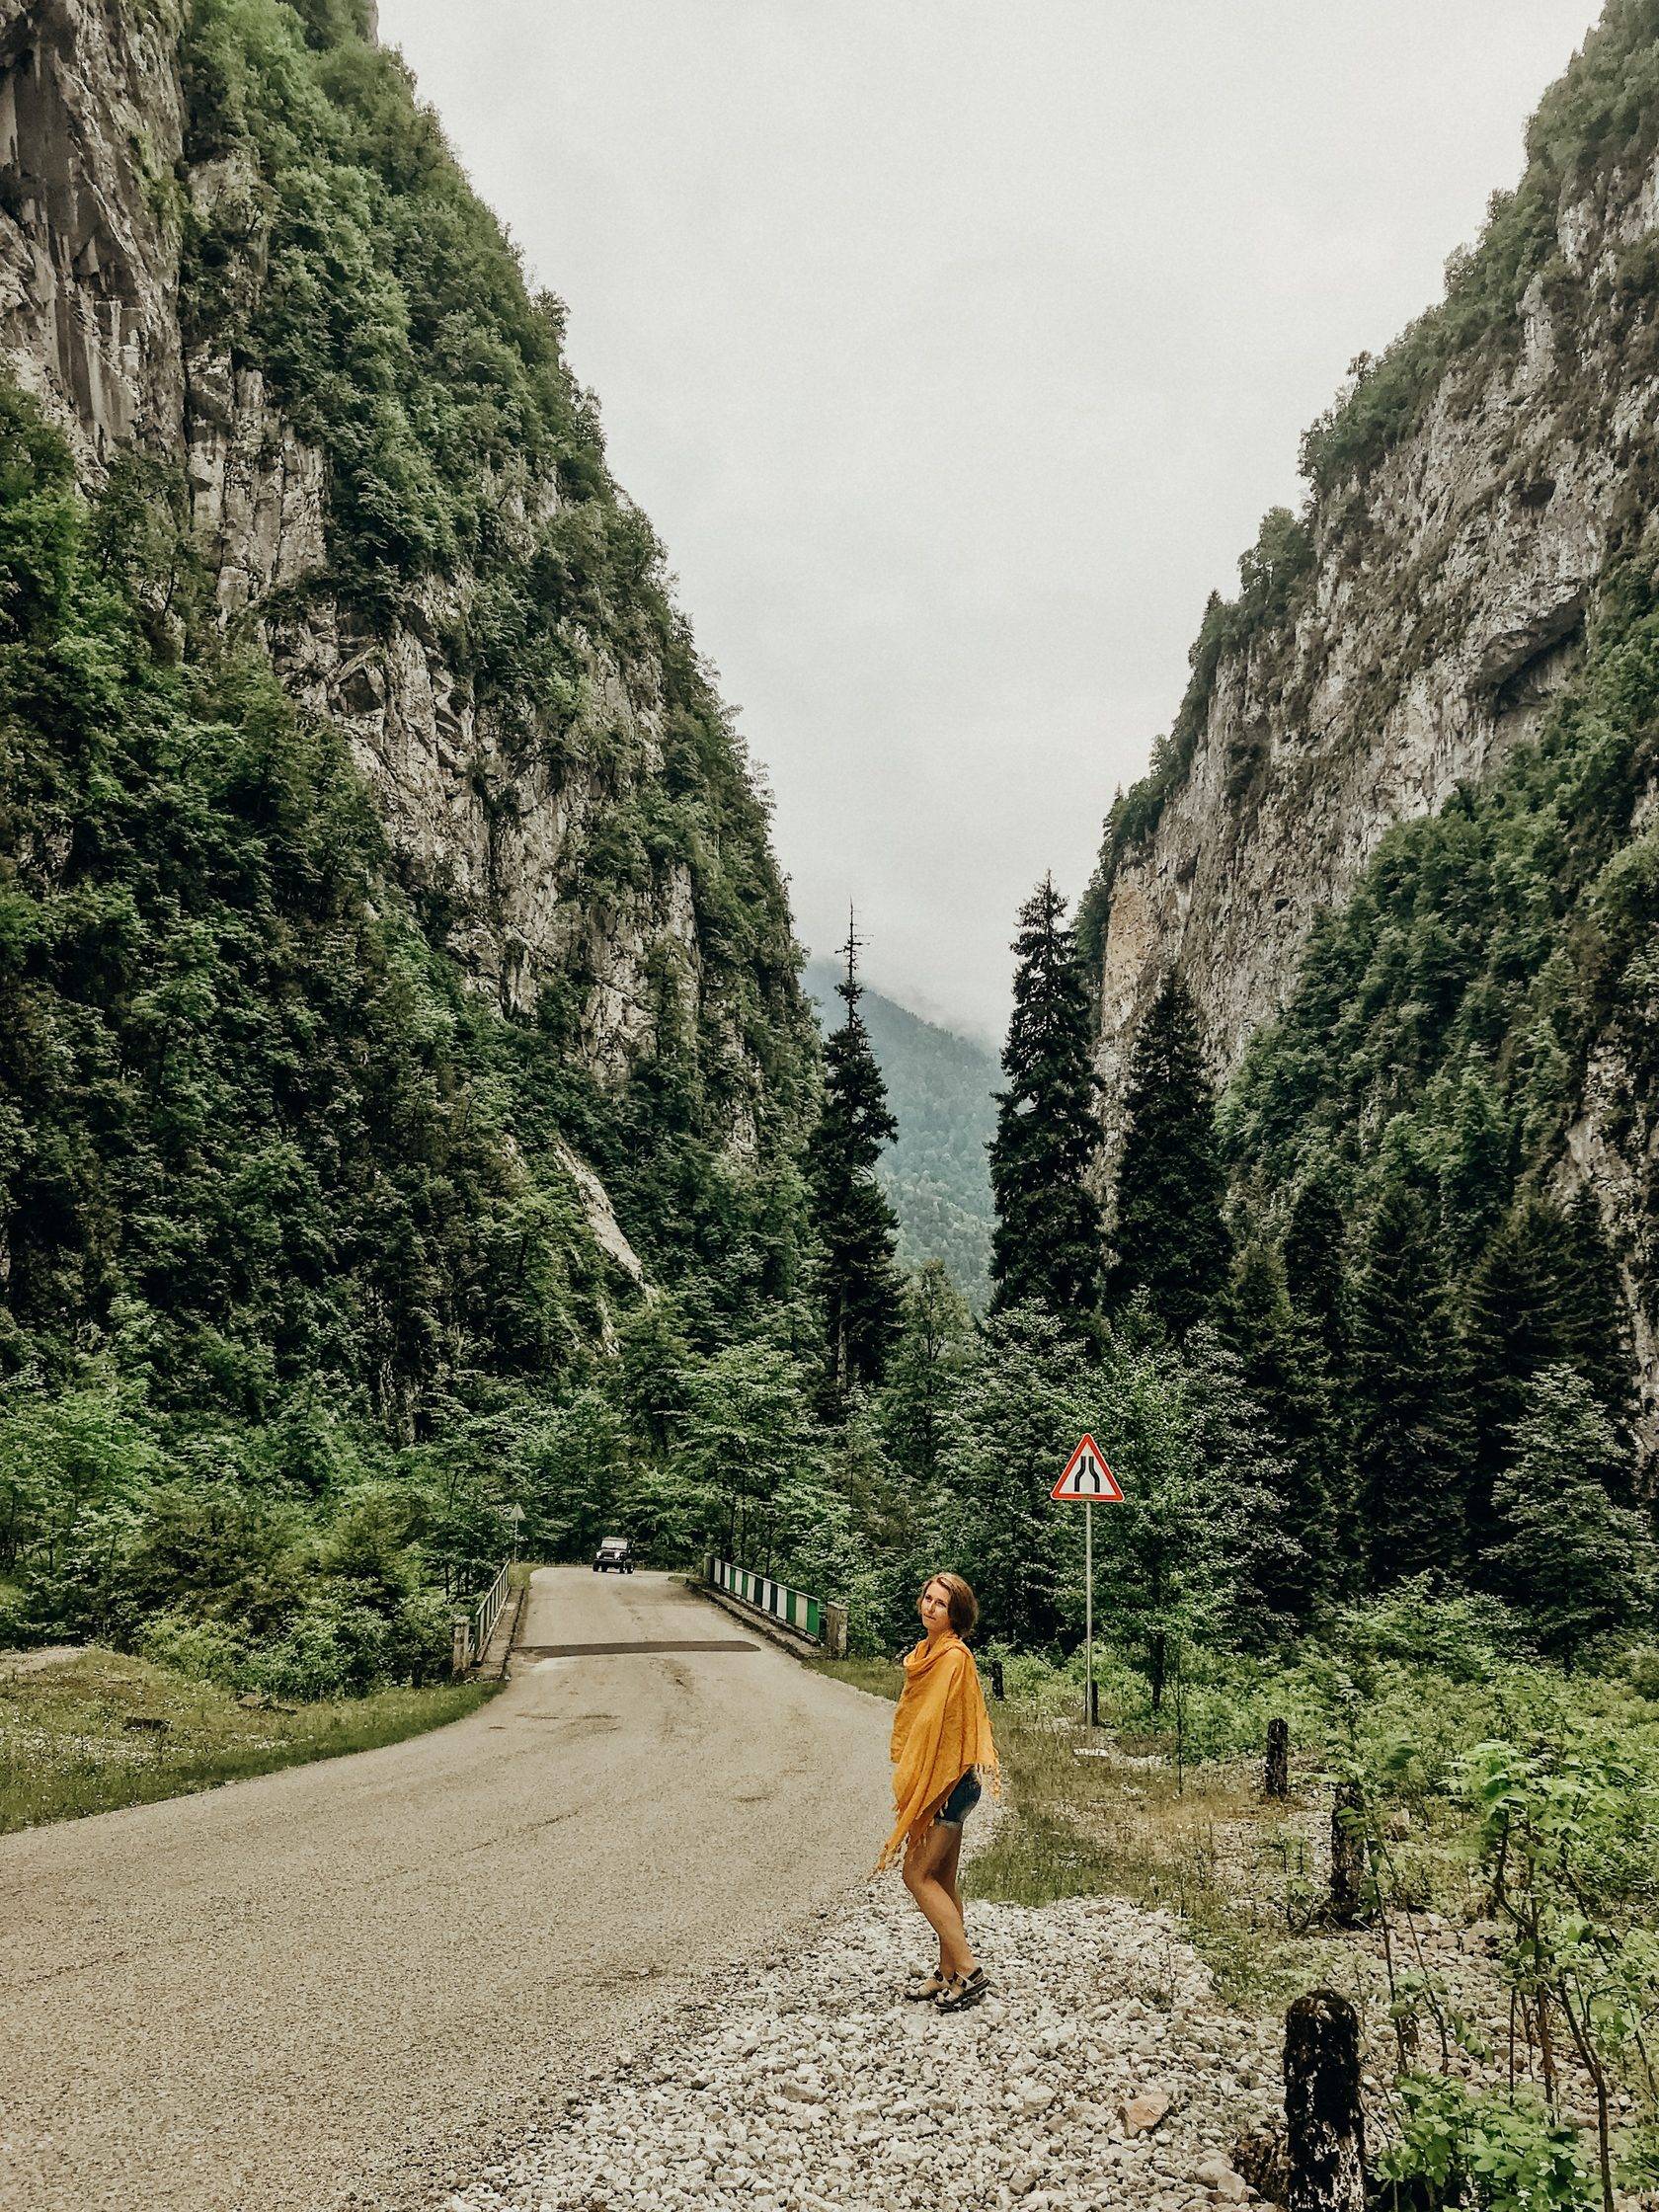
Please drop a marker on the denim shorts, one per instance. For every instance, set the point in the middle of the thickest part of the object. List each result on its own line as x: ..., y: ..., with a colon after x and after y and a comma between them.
x: 961, y: 1799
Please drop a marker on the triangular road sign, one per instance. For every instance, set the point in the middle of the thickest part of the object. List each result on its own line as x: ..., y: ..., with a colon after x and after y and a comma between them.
x: 1087, y: 1477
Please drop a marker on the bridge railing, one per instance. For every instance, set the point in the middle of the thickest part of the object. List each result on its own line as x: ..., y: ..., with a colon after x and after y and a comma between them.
x: 814, y: 1618
x: 477, y: 1624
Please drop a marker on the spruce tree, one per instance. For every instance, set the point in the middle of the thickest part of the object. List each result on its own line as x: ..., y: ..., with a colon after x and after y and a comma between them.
x: 858, y: 1280
x: 1545, y: 1292
x: 1517, y: 1320
x: 1282, y: 1372
x: 1171, y: 1239
x: 1046, y: 1248
x: 1581, y: 1565
x: 1478, y: 1174
x: 1315, y: 1261
x: 1411, y: 1446
x: 1599, y: 1338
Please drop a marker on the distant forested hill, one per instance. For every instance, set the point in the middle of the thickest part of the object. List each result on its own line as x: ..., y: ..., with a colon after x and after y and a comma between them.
x: 939, y: 1085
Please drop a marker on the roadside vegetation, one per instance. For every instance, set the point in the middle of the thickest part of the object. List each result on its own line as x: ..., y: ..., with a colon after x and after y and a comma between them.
x: 94, y: 1730
x: 1494, y: 1914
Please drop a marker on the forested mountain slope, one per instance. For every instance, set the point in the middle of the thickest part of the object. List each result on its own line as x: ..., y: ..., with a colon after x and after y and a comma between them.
x: 939, y: 1086
x: 384, y: 896
x: 1401, y: 841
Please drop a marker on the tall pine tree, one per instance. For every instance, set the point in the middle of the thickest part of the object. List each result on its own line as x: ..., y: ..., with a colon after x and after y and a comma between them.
x: 1410, y: 1413
x: 858, y: 1279
x: 1046, y: 1245
x: 1314, y: 1253
x: 1599, y: 1337
x: 1545, y: 1292
x: 1171, y: 1239
x: 1283, y: 1373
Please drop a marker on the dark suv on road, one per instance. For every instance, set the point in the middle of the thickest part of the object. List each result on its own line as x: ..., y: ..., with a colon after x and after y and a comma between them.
x: 614, y: 1551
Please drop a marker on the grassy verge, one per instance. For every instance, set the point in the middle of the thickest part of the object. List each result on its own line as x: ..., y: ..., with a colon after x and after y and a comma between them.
x: 100, y: 1731
x: 879, y: 1676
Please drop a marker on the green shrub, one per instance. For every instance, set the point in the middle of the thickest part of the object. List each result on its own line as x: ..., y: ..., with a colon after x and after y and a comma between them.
x: 1464, y: 1634
x: 202, y: 1649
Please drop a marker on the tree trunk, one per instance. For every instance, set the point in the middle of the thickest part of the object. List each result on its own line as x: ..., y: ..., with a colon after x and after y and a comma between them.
x: 1277, y: 1782
x: 1324, y: 2119
x: 1348, y: 1902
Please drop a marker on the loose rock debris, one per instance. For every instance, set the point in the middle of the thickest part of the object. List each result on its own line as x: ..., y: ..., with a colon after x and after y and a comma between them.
x: 1102, y: 2071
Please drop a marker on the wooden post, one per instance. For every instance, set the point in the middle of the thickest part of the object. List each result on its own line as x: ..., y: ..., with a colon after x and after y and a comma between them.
x: 834, y: 1632
x: 1278, y: 1777
x: 1324, y: 2118
x: 1348, y: 1902
x: 1094, y: 1703
x: 996, y: 1689
x: 461, y: 1646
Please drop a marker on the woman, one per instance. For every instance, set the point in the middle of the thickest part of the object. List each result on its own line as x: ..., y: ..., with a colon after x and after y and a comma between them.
x: 941, y: 1744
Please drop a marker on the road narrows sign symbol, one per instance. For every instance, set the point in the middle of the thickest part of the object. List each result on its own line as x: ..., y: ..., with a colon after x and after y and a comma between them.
x: 1087, y: 1477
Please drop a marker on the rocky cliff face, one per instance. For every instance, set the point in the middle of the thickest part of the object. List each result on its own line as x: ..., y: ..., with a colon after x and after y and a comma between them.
x: 1445, y: 609
x: 146, y: 258
x: 1412, y: 627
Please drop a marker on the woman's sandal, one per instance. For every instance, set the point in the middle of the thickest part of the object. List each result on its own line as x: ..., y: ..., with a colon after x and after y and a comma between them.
x: 925, y: 1992
x: 961, y: 1991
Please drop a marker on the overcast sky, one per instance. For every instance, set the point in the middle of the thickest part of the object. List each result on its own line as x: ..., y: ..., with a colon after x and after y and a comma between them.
x: 956, y: 350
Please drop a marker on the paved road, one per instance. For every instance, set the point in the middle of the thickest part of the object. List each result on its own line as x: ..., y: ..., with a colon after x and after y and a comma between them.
x: 331, y: 1986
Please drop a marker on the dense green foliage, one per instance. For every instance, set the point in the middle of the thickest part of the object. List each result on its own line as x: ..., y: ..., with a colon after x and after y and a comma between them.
x: 298, y: 1287
x: 939, y: 1085
x: 342, y: 253
x: 261, y: 1216
x: 1423, y: 1074
x: 1046, y: 1245
x: 1408, y: 1280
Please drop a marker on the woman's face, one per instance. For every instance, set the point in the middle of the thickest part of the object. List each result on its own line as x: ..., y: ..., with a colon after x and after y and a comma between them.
x: 934, y: 1607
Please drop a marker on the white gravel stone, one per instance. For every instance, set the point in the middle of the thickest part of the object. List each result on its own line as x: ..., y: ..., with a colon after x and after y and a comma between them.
x: 812, y: 2083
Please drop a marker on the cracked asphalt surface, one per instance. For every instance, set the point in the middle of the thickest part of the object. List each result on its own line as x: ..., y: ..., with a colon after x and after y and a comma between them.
x: 335, y: 1986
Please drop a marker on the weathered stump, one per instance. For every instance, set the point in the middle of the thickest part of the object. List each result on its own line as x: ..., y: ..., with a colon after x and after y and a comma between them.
x: 996, y: 1689
x: 1349, y: 1904
x: 1324, y: 2119
x: 1277, y: 1780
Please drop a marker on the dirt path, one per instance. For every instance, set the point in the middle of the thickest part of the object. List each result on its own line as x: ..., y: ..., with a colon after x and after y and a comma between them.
x: 331, y: 1986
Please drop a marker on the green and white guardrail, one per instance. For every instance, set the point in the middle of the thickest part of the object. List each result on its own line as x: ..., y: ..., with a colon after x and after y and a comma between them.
x: 814, y: 1618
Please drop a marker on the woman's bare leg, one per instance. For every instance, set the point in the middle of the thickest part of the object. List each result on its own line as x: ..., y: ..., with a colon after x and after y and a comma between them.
x: 938, y: 1904
x: 949, y: 1860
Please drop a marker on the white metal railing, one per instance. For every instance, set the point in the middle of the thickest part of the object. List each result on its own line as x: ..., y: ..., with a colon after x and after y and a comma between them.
x: 474, y: 1630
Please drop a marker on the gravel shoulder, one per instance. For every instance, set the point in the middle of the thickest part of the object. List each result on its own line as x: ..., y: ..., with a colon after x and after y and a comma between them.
x: 1103, y: 2069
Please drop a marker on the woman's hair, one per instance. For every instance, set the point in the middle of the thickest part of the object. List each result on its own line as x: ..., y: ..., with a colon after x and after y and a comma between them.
x: 964, y: 1605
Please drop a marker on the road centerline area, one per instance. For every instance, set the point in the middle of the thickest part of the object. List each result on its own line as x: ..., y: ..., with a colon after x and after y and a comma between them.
x: 329, y: 1987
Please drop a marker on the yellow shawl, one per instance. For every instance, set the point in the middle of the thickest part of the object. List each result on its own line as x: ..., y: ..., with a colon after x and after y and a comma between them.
x: 940, y: 1731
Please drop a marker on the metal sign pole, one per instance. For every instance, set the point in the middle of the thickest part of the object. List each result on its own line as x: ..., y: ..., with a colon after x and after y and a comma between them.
x: 1088, y: 1613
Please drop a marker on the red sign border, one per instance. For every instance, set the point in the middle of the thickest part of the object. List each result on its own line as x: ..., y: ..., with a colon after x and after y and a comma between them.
x: 1060, y: 1495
